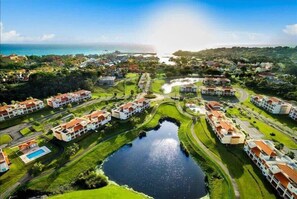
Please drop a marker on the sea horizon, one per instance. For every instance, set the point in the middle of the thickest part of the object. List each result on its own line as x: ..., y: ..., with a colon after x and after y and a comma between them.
x: 72, y: 49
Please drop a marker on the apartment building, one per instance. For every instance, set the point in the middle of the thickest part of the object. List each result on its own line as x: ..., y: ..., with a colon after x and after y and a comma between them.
x: 20, y: 108
x: 224, y: 128
x: 271, y: 104
x: 279, y: 169
x: 293, y: 113
x: 213, y: 105
x: 129, y: 109
x: 216, y: 81
x: 4, y: 162
x: 219, y: 91
x: 189, y: 88
x: 66, y: 98
x: 79, y: 126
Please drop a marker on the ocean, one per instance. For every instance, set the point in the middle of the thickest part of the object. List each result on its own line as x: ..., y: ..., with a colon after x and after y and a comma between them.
x: 71, y: 49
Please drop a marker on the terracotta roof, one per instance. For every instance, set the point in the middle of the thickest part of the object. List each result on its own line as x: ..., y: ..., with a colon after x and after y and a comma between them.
x: 226, y: 125
x: 81, y: 92
x: 274, y: 99
x: 290, y: 172
x: 78, y: 127
x: 213, y: 103
x: 140, y: 100
x: 128, y: 105
x: 27, y: 144
x: 256, y: 151
x: 217, y: 114
x: 282, y: 178
x: 2, y: 159
x: 265, y: 148
x: 72, y: 123
x: 95, y: 114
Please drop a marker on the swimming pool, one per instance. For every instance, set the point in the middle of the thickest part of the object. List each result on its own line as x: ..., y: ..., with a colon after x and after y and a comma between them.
x: 33, y: 155
x: 36, y: 154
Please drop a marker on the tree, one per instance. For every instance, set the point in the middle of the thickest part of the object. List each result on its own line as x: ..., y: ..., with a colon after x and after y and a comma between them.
x: 72, y: 150
x: 132, y: 92
x: 291, y: 154
x: 37, y: 168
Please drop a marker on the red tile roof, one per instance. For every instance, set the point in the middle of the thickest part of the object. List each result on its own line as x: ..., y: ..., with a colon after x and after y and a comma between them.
x: 265, y: 148
x: 290, y: 172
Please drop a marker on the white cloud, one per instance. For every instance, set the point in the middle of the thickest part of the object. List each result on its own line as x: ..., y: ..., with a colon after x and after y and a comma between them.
x: 13, y: 36
x: 46, y: 37
x: 291, y: 29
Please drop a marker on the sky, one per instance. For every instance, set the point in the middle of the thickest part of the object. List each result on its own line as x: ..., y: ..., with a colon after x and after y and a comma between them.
x: 168, y: 25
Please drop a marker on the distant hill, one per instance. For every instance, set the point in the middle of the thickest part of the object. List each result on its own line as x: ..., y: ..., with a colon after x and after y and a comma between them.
x: 235, y: 53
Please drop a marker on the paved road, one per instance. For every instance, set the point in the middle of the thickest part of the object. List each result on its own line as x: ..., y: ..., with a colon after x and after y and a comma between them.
x: 252, y: 131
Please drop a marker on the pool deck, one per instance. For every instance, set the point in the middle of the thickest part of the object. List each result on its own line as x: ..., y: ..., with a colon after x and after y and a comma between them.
x: 26, y: 160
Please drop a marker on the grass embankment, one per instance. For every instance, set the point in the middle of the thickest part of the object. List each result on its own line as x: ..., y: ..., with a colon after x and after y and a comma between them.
x: 108, y: 192
x: 156, y: 86
x: 5, y: 139
x: 250, y: 181
x: 268, y: 131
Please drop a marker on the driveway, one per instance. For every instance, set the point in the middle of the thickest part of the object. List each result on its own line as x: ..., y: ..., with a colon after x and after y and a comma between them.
x: 248, y: 128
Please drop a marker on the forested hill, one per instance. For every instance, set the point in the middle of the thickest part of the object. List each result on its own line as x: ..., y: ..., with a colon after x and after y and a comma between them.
x: 267, y: 53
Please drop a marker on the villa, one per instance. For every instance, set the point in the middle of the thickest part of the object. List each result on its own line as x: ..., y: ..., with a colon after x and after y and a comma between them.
x: 79, y: 126
x: 4, y: 162
x: 219, y: 91
x: 279, y: 169
x: 66, y: 98
x: 213, y: 105
x: 293, y: 113
x: 20, y: 108
x: 26, y: 146
x: 107, y: 80
x: 224, y: 128
x: 125, y: 111
x: 189, y: 88
x: 271, y: 104
x: 216, y: 81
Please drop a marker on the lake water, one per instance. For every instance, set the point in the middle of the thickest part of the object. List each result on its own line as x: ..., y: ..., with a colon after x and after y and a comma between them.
x: 156, y: 166
x: 179, y: 82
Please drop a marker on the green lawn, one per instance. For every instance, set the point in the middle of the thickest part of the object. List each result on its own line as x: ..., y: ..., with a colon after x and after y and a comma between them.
x: 25, y: 131
x: 5, y: 138
x: 265, y: 129
x: 108, y: 192
x: 156, y: 85
x: 240, y: 166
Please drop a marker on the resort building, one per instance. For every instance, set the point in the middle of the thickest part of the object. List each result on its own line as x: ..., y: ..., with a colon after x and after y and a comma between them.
x: 125, y: 111
x: 66, y: 98
x: 216, y: 81
x: 279, y: 169
x: 4, y: 162
x: 213, y: 105
x: 79, y: 126
x: 293, y: 113
x: 189, y: 88
x: 271, y: 104
x: 219, y: 91
x: 224, y: 128
x: 107, y: 80
x: 20, y: 108
x: 28, y: 145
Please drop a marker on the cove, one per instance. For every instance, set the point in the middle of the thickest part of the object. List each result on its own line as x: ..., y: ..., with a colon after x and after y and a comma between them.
x: 156, y: 166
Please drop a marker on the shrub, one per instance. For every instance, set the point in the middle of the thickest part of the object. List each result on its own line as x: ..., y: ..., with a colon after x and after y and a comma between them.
x: 91, y: 180
x: 272, y: 134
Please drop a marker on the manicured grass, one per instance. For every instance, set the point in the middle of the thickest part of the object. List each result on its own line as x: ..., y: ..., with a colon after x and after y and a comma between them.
x: 239, y: 165
x: 264, y: 128
x: 16, y: 170
x: 156, y: 85
x: 25, y: 131
x: 5, y: 138
x: 108, y: 192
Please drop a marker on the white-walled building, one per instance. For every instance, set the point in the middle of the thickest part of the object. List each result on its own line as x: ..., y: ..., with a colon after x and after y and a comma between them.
x: 4, y: 162
x: 189, y: 88
x: 216, y: 81
x: 271, y: 104
x: 279, y: 169
x: 66, y: 98
x: 219, y: 91
x: 224, y: 128
x: 125, y: 111
x: 20, y: 108
x: 293, y: 113
x: 79, y: 126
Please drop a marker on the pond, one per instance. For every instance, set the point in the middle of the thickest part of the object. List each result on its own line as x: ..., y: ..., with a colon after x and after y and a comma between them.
x: 179, y: 82
x: 156, y: 166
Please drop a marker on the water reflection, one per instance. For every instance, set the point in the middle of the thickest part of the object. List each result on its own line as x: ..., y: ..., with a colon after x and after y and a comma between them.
x: 155, y: 165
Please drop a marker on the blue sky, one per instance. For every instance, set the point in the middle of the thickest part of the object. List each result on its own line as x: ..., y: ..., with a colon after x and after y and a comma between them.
x: 204, y: 23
